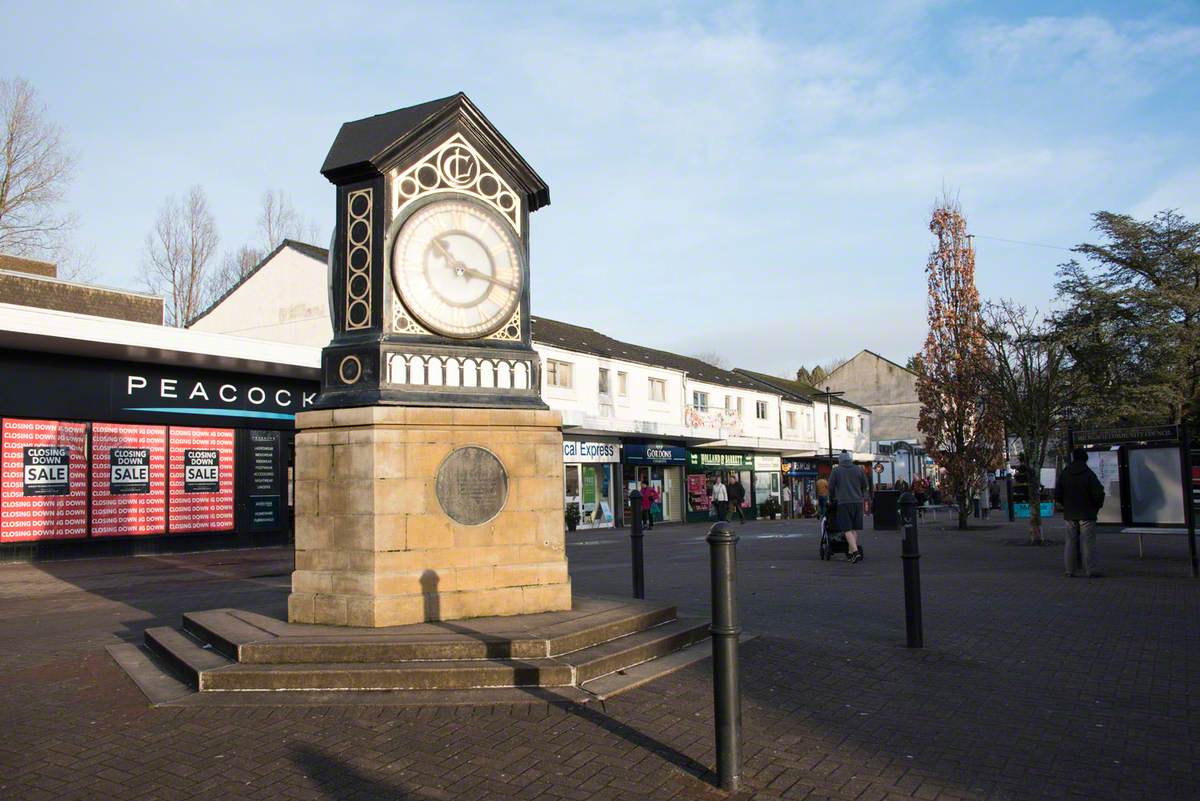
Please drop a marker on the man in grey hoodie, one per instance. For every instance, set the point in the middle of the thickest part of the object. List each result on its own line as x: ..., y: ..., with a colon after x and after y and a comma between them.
x: 848, y: 488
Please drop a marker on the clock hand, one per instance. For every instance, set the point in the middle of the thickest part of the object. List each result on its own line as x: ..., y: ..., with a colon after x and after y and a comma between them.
x: 465, y: 270
x: 492, y: 279
x: 451, y: 262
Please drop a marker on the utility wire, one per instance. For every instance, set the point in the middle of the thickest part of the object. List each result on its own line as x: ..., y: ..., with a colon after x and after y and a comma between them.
x: 1019, y: 242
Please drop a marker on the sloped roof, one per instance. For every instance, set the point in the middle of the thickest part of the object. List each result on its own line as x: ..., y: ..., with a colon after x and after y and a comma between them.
x: 586, y: 340
x: 795, y: 389
x: 312, y: 251
x: 363, y: 140
x: 363, y: 146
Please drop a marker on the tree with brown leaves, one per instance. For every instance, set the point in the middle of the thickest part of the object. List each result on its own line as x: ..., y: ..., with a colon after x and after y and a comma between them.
x: 962, y: 428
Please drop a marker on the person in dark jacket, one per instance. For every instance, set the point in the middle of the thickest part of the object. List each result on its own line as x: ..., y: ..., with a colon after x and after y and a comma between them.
x: 1081, y: 495
x: 737, y: 495
x: 848, y: 487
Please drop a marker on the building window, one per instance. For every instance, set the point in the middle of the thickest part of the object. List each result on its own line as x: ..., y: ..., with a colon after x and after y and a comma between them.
x: 862, y: 424
x: 658, y: 390
x: 729, y: 403
x: 835, y: 422
x: 849, y: 423
x: 700, y: 401
x: 760, y: 410
x: 622, y: 384
x: 558, y: 374
x: 604, y: 388
x: 791, y: 420
x: 739, y: 407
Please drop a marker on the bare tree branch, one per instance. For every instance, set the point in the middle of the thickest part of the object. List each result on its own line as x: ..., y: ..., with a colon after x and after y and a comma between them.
x: 35, y: 170
x: 178, y: 252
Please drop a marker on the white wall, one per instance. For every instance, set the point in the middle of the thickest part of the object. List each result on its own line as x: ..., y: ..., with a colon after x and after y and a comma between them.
x: 721, y: 420
x: 287, y: 300
x: 582, y: 403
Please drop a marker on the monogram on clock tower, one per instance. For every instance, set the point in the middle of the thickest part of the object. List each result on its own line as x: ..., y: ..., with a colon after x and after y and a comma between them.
x: 429, y: 265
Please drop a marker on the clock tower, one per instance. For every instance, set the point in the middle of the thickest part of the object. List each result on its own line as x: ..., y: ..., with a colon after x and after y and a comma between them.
x: 429, y: 267
x: 429, y: 476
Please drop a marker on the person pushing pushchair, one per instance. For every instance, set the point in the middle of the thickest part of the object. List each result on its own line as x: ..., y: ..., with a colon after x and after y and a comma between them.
x: 847, y: 490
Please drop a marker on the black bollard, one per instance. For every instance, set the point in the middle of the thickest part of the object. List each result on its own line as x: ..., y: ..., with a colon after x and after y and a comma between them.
x: 912, y: 571
x: 727, y: 691
x: 635, y: 543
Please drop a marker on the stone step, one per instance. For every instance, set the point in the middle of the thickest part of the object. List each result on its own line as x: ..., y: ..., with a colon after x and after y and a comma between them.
x: 564, y: 671
x: 186, y: 657
x: 255, y: 639
x: 442, y: 675
x: 634, y: 649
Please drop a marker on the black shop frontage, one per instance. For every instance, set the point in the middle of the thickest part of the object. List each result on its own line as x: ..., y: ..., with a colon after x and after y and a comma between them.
x: 101, y: 456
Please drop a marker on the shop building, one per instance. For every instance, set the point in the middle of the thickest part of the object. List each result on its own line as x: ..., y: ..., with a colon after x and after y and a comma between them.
x: 126, y: 437
x: 661, y: 467
x: 591, y: 473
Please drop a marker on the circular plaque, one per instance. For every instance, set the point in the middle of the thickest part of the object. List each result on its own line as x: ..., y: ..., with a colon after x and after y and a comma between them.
x: 472, y: 485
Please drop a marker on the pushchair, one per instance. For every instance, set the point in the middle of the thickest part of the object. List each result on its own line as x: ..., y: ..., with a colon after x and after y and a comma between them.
x: 832, y: 540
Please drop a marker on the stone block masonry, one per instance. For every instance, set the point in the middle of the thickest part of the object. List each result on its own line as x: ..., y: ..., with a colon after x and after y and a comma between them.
x: 374, y: 546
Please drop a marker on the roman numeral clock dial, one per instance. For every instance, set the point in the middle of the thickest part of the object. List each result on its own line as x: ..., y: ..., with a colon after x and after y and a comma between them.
x: 458, y: 268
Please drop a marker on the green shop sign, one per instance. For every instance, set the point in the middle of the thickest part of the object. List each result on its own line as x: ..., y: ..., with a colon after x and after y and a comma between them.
x: 712, y: 459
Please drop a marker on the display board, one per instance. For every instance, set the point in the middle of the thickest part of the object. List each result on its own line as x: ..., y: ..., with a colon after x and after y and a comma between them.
x: 1156, y: 487
x: 43, y: 480
x: 266, y: 512
x: 129, y: 480
x: 201, y: 481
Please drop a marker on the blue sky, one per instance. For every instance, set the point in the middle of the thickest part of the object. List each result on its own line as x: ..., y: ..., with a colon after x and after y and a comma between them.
x: 751, y: 179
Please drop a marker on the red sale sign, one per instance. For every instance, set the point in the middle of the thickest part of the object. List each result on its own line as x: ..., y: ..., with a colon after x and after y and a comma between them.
x: 129, y: 480
x: 43, y: 480
x: 201, y: 480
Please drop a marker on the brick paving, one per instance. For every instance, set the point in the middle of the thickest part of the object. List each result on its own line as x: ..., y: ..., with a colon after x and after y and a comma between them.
x: 1032, y: 686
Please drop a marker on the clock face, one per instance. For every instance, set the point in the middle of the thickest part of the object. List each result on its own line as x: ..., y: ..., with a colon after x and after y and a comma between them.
x: 457, y: 268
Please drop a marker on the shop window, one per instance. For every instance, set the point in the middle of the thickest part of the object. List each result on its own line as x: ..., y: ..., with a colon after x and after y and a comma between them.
x: 604, y: 388
x: 791, y: 420
x: 760, y: 410
x: 622, y: 384
x: 558, y: 374
x: 658, y: 390
x: 700, y: 401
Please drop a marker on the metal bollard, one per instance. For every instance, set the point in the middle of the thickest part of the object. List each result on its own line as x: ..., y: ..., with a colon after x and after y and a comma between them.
x: 727, y: 691
x: 635, y: 543
x: 912, y: 572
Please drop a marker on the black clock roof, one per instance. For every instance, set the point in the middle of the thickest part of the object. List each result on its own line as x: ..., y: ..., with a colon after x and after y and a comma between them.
x: 364, y: 146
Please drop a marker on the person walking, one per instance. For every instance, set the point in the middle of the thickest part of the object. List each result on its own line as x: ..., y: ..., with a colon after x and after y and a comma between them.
x: 737, y: 495
x: 720, y: 499
x: 822, y: 496
x: 786, y: 495
x: 848, y: 487
x: 649, y: 498
x: 1081, y: 495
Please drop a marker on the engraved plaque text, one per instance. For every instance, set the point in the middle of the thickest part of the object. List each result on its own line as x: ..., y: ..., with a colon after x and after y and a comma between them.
x: 472, y: 485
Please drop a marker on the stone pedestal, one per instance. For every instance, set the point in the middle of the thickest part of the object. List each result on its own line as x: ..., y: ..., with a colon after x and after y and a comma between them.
x: 374, y: 546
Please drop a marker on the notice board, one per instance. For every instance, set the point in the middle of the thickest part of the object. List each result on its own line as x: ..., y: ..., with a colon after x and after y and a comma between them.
x: 200, y: 488
x: 129, y: 480
x: 43, y: 480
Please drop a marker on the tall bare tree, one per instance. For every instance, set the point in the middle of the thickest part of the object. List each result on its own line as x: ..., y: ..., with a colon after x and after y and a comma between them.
x: 1027, y: 376
x: 961, y: 427
x: 35, y: 170
x: 278, y: 220
x: 178, y: 255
